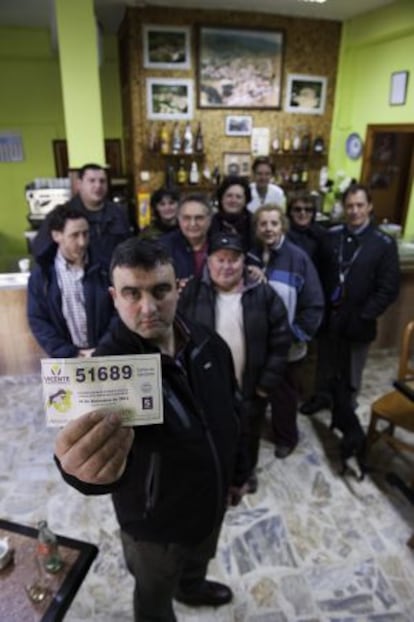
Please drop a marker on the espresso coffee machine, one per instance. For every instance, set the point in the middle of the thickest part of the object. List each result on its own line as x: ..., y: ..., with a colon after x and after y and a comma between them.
x: 43, y: 194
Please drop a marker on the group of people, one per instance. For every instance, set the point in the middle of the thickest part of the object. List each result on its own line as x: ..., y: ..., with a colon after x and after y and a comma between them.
x: 232, y: 300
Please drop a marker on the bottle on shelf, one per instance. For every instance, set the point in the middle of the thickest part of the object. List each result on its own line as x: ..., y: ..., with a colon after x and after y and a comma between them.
x: 181, y: 174
x: 304, y: 174
x: 296, y: 140
x: 294, y: 175
x: 276, y: 143
x: 194, y: 173
x: 287, y: 143
x: 199, y: 140
x: 152, y: 138
x: 164, y: 139
x: 47, y: 548
x: 176, y: 139
x: 143, y: 201
x: 170, y: 176
x: 215, y: 175
x: 305, y: 143
x: 188, y: 139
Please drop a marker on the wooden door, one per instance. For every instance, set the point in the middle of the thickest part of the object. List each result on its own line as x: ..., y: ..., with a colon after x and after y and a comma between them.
x: 388, y: 169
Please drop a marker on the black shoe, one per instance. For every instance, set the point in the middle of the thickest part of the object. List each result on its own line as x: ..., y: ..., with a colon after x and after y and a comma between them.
x: 209, y: 593
x: 314, y: 404
x: 283, y: 451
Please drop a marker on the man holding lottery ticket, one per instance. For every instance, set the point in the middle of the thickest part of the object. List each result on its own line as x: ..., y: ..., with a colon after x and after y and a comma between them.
x: 171, y: 482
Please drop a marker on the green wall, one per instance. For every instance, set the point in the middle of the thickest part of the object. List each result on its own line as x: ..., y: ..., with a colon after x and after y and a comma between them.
x: 373, y: 46
x: 31, y: 104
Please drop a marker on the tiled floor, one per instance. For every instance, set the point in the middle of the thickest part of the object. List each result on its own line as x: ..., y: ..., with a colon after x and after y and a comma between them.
x: 310, y: 546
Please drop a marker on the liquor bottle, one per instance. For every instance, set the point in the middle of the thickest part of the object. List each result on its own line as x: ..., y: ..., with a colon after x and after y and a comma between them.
x: 215, y: 176
x: 152, y: 139
x: 304, y: 176
x: 143, y: 215
x: 294, y: 174
x: 305, y: 144
x: 164, y: 139
x: 286, y: 141
x: 276, y: 143
x: 181, y: 174
x: 296, y: 140
x: 194, y: 173
x: 188, y: 139
x: 176, y: 141
x: 199, y: 140
x: 47, y: 549
x: 170, y: 176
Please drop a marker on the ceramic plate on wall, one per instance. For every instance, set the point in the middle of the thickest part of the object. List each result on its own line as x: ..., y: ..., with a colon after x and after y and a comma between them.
x: 354, y: 146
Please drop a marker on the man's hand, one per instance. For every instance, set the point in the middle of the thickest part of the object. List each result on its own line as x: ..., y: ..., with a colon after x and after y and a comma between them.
x: 94, y: 448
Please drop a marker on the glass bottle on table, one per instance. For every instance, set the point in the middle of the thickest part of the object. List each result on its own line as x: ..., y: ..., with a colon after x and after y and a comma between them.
x: 48, y: 549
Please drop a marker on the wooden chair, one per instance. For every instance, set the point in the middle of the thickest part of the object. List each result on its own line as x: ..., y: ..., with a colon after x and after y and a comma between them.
x: 394, y: 410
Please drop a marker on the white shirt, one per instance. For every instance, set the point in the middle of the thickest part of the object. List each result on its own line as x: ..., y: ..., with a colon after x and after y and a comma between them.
x: 230, y: 326
x: 274, y: 194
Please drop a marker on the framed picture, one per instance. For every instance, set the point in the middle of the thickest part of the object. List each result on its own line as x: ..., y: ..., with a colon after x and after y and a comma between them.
x: 169, y: 99
x: 166, y: 47
x: 398, y: 90
x: 306, y: 94
x: 238, y: 125
x: 239, y: 68
x: 237, y: 163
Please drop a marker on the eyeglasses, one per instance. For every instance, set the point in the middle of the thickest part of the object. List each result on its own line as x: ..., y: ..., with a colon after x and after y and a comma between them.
x: 297, y: 210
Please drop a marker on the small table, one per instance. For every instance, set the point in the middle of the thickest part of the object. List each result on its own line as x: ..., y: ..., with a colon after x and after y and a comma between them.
x: 15, y: 605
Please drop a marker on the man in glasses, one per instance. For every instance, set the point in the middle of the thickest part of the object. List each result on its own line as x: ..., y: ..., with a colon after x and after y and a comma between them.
x: 188, y: 246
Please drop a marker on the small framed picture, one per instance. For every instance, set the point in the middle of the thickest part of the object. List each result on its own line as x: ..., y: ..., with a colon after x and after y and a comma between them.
x: 305, y: 94
x: 166, y: 47
x: 237, y: 163
x: 240, y: 125
x: 169, y: 99
x: 398, y: 89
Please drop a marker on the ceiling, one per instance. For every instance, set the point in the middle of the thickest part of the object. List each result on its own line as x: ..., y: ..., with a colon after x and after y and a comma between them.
x: 37, y: 13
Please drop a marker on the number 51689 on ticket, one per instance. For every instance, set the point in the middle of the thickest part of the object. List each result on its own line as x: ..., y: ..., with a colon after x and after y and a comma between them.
x: 127, y: 384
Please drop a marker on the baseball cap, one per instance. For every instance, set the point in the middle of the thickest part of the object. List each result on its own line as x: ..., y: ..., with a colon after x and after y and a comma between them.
x: 230, y: 241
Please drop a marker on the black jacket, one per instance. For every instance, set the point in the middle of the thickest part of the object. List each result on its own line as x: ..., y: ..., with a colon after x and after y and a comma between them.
x: 266, y: 327
x: 178, y: 474
x: 369, y: 260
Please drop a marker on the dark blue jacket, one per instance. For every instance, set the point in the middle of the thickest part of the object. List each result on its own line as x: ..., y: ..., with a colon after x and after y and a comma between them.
x: 372, y: 280
x: 44, y: 309
x: 181, y: 253
x: 111, y: 228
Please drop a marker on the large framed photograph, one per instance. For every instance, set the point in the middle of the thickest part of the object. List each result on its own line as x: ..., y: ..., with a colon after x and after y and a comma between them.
x: 169, y: 99
x: 306, y: 94
x: 239, y: 68
x: 237, y: 163
x: 166, y: 47
x: 240, y: 125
